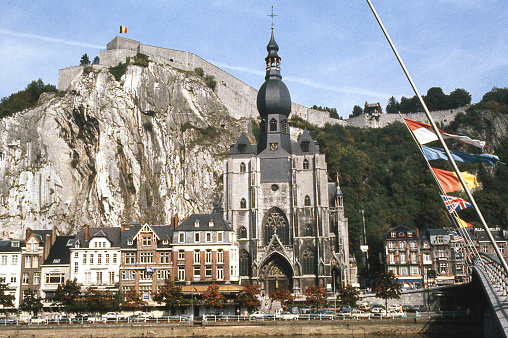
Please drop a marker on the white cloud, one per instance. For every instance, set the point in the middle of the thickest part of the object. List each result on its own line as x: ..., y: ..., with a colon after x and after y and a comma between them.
x: 49, y: 39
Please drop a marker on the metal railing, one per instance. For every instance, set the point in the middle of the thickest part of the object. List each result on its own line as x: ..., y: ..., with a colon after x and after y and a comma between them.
x: 495, y: 272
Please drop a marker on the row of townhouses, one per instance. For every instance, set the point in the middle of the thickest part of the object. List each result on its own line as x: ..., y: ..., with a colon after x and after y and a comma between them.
x: 200, y: 250
x: 437, y: 256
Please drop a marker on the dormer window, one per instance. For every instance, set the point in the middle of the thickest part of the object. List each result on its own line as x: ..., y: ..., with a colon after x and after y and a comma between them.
x: 242, y: 147
x: 273, y: 125
x: 130, y: 242
x: 409, y: 234
x: 210, y: 224
x: 165, y: 241
x: 56, y: 260
x: 196, y: 223
x: 393, y: 234
x: 305, y: 146
x: 15, y: 244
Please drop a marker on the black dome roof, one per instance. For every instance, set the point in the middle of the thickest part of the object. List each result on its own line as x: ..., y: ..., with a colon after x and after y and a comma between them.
x: 274, y: 98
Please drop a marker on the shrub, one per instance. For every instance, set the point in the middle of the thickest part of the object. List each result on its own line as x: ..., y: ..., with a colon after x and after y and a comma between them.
x: 210, y: 81
x: 141, y: 60
x: 199, y: 71
x: 87, y: 70
x: 119, y: 70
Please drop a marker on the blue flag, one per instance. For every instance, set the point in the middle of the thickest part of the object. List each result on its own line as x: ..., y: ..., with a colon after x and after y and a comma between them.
x: 439, y: 154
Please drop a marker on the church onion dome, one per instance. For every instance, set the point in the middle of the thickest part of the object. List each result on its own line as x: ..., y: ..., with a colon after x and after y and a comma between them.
x: 273, y: 96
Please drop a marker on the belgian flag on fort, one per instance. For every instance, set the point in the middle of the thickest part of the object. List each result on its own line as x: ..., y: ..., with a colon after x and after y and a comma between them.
x: 123, y: 29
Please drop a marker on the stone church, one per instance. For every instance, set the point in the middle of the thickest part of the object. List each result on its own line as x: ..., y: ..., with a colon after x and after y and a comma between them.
x: 288, y: 218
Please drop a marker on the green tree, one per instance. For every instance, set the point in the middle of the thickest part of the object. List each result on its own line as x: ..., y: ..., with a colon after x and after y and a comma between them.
x: 24, y: 99
x: 436, y: 99
x: 101, y: 301
x: 387, y: 287
x: 199, y: 71
x: 357, y: 111
x: 95, y: 60
x: 7, y: 300
x: 393, y: 106
x: 85, y: 61
x: 348, y: 295
x: 459, y: 98
x: 284, y: 297
x: 170, y: 294
x: 212, y: 297
x: 67, y: 294
x: 315, y: 295
x: 31, y: 303
x: 499, y: 95
x: 132, y: 300
x: 210, y: 81
x: 248, y: 298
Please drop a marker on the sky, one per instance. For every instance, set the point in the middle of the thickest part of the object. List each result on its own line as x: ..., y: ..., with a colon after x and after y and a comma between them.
x: 333, y: 52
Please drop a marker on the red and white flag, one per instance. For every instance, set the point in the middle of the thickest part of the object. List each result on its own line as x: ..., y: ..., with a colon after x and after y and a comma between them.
x: 425, y: 134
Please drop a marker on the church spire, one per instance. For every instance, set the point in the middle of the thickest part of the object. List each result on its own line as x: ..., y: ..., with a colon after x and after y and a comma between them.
x: 272, y: 60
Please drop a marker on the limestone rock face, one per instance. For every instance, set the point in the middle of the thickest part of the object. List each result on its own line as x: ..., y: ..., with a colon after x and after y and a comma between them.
x: 108, y: 152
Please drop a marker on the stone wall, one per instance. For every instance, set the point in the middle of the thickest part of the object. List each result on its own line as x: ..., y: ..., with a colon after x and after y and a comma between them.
x: 441, y: 117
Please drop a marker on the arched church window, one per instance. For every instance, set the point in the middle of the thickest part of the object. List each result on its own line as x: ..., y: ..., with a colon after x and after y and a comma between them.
x: 306, y: 164
x: 273, y: 125
x: 307, y: 201
x: 284, y: 126
x: 262, y: 127
x: 308, y: 230
x: 243, y: 233
x: 308, y: 262
x: 243, y: 204
x: 244, y: 263
x: 242, y: 167
x: 276, y: 223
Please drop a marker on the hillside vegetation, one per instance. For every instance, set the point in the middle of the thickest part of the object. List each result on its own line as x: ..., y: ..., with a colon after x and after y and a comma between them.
x: 383, y: 172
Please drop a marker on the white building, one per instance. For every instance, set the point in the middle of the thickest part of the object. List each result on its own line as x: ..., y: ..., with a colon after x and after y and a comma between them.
x: 10, y: 267
x: 95, y: 258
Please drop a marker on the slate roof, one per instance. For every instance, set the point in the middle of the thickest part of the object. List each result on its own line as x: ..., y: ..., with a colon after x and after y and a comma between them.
x: 110, y: 233
x: 41, y: 234
x: 482, y: 236
x: 250, y: 149
x: 398, y: 229
x: 6, y: 246
x: 189, y: 224
x: 313, y: 147
x: 163, y: 232
x: 438, y: 232
x: 59, y: 253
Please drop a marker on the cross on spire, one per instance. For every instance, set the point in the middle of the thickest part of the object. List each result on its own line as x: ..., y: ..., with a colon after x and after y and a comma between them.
x: 272, y: 16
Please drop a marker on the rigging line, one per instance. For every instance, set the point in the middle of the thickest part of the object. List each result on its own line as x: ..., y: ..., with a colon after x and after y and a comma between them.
x: 452, y: 220
x: 445, y: 147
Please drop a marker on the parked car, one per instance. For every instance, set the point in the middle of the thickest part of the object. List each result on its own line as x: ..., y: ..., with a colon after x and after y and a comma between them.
x: 145, y: 315
x: 260, y: 315
x: 364, y: 307
x: 287, y: 316
x: 94, y: 319
x: 394, y: 308
x: 37, y: 320
x: 360, y: 314
x: 395, y: 314
x: 111, y: 316
x: 346, y: 308
x: 377, y: 309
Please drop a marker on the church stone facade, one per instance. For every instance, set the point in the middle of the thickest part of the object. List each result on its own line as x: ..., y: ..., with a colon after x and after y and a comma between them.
x: 289, y: 219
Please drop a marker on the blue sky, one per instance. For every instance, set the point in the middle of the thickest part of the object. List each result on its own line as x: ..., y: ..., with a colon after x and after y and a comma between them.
x: 333, y: 52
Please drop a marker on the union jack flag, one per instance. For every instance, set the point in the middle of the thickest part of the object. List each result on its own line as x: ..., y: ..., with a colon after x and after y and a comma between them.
x: 455, y: 203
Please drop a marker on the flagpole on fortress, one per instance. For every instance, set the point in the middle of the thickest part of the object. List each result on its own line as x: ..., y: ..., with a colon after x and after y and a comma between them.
x: 445, y: 147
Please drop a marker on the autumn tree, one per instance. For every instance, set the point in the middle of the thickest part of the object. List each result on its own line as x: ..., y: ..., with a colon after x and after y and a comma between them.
x: 170, y: 294
x: 7, y: 300
x: 284, y: 297
x: 66, y: 295
x: 132, y: 300
x: 249, y: 297
x: 387, y: 287
x: 31, y: 303
x: 212, y: 297
x: 348, y: 295
x: 315, y: 295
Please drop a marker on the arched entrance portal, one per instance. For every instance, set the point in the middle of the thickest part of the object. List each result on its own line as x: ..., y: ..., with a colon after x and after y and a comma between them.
x: 277, y: 274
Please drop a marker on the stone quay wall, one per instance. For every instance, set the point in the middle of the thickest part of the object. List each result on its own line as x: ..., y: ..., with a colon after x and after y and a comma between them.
x: 349, y: 328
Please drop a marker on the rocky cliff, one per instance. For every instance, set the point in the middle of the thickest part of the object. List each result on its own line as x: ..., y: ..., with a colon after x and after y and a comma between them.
x: 106, y: 152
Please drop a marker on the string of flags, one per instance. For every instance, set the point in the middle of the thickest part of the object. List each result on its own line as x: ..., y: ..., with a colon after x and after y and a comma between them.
x: 448, y: 180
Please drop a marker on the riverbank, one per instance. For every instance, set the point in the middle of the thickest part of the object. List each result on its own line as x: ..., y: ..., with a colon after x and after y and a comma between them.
x: 362, y: 328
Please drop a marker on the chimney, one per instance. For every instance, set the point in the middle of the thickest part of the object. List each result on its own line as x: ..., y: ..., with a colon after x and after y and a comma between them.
x: 87, y: 231
x: 53, y: 234
x: 174, y: 221
x: 124, y: 226
x: 28, y: 232
x: 417, y: 232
